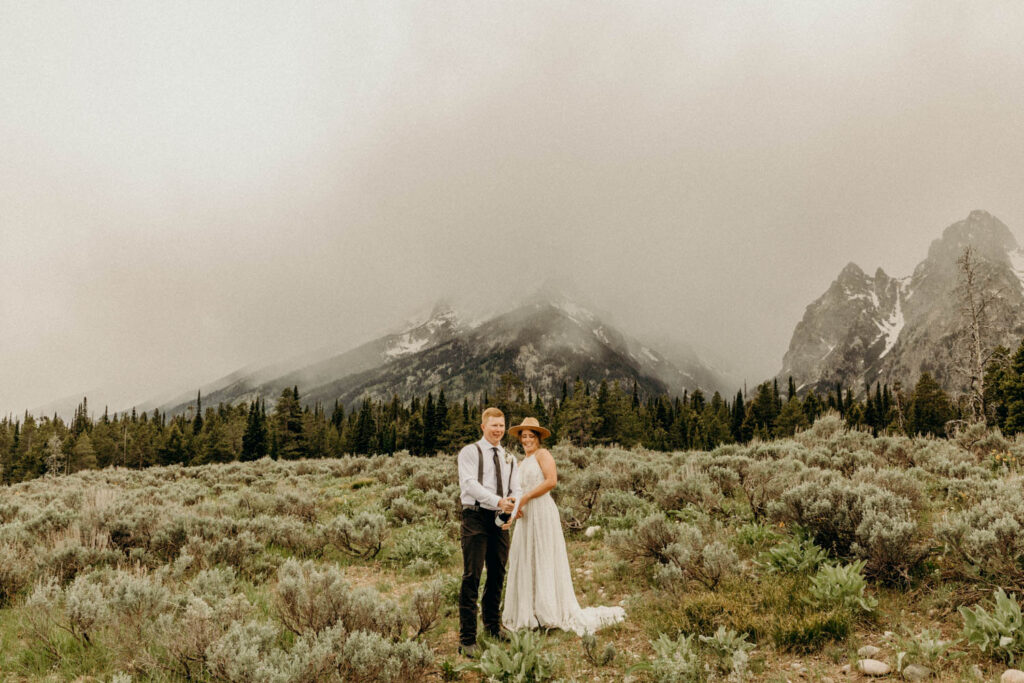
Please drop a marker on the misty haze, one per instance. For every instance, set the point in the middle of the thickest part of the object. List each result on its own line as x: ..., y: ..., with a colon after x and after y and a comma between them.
x: 183, y: 200
x: 653, y: 341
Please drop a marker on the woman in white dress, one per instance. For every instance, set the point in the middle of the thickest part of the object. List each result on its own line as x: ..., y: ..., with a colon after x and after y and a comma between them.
x: 538, y: 590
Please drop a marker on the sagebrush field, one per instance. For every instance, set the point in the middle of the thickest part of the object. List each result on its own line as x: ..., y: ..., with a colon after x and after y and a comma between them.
x: 770, y: 561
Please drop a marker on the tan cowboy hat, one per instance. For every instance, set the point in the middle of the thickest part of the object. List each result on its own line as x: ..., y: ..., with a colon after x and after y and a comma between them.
x: 531, y: 424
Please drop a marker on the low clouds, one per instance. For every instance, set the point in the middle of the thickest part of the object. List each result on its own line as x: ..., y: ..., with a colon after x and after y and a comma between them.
x: 199, y: 188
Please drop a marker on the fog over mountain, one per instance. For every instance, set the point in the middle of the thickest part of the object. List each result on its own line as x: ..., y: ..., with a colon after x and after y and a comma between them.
x: 192, y: 189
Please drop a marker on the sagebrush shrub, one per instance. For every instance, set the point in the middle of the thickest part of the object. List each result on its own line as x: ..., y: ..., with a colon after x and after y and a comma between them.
x: 421, y: 542
x: 648, y: 540
x: 855, y: 519
x: 240, y: 654
x: 364, y: 536
x: 698, y: 490
x: 580, y: 497
x: 369, y: 657
x: 85, y: 608
x: 675, y: 661
x: 429, y: 604
x: 707, y: 563
x: 987, y: 538
x: 15, y: 572
x: 405, y: 511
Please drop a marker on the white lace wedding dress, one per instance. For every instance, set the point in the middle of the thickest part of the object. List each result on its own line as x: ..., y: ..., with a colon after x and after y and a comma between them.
x: 538, y: 591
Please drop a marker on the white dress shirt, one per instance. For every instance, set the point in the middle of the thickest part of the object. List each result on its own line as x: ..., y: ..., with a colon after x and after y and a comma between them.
x: 485, y: 493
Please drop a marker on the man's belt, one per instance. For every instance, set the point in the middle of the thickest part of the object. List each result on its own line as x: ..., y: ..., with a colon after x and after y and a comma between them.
x: 477, y: 508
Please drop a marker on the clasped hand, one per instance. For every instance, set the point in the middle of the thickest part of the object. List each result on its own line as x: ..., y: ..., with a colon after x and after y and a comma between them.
x: 507, y: 504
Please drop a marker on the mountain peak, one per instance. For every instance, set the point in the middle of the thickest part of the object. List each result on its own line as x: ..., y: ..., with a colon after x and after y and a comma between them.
x: 852, y: 270
x: 980, y: 230
x: 865, y: 330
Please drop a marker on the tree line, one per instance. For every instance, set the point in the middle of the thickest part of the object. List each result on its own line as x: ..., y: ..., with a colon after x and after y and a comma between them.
x: 583, y: 413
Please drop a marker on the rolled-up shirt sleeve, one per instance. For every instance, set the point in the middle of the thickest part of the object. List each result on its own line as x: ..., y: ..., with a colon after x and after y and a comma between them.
x: 468, y: 483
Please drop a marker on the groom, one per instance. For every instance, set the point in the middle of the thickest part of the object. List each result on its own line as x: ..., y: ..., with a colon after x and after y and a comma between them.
x: 489, y: 483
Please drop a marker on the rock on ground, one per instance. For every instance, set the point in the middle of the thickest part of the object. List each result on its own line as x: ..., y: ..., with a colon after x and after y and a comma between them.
x: 873, y: 667
x: 916, y: 672
x: 1012, y: 676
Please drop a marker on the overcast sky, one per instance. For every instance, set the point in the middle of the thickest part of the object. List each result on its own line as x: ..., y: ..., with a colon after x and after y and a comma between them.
x: 191, y: 187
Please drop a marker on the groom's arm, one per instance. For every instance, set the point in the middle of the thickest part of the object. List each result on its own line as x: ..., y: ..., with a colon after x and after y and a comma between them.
x: 468, y: 483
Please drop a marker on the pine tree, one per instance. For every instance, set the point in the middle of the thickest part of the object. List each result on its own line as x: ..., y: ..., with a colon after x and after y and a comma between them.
x: 429, y: 426
x: 338, y: 414
x: 288, y: 426
x: 929, y: 409
x: 736, y: 420
x: 1011, y: 393
x: 441, y: 420
x: 254, y: 440
x: 197, y: 423
x: 791, y: 419
x: 365, y: 429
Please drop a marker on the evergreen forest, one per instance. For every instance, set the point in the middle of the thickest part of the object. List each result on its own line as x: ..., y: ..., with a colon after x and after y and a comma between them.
x: 583, y: 414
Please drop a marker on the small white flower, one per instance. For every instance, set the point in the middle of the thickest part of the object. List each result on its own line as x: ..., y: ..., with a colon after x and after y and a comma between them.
x: 1005, y: 640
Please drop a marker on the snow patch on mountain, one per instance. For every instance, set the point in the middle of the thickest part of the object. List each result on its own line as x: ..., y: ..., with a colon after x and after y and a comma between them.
x: 891, y: 327
x: 1017, y: 263
x: 406, y: 345
x: 578, y: 313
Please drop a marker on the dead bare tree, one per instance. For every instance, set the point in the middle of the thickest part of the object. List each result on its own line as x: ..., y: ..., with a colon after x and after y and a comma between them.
x: 974, y: 347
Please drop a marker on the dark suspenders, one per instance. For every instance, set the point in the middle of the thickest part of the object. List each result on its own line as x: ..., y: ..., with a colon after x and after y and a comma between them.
x: 480, y: 470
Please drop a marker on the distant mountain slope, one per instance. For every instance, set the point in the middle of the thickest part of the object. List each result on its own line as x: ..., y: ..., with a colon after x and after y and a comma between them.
x: 865, y: 328
x: 545, y: 342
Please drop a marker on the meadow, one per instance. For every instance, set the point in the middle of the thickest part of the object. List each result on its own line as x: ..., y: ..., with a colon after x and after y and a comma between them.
x: 770, y: 561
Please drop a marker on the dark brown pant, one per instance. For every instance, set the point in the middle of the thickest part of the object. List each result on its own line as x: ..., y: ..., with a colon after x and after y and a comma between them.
x: 483, y: 543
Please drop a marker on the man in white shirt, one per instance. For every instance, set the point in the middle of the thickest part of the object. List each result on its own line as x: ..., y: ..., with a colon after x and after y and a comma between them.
x: 489, y: 484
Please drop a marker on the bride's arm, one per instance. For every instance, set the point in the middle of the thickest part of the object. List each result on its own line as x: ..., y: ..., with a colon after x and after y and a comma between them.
x: 547, y: 467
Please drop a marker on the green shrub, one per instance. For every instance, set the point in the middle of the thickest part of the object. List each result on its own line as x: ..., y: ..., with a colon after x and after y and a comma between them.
x: 674, y: 661
x: 999, y: 632
x: 841, y: 585
x: 795, y: 556
x: 926, y: 648
x: 730, y: 650
x: 522, y: 661
x: 755, y: 534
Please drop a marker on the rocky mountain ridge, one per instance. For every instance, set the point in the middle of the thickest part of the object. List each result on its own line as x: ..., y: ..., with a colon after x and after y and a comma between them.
x: 546, y: 340
x: 866, y: 329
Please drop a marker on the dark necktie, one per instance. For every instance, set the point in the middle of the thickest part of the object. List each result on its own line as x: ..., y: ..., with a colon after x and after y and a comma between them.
x: 497, y: 473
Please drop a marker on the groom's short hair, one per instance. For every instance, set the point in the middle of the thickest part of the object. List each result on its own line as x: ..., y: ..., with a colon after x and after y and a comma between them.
x: 489, y: 413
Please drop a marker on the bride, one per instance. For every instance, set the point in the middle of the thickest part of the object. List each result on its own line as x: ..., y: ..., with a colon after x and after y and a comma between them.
x: 539, y: 588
